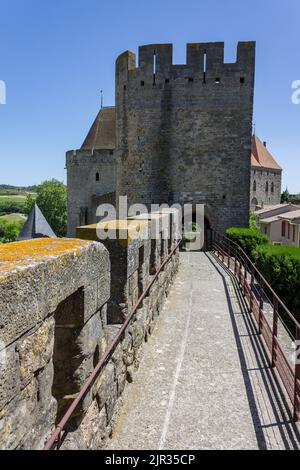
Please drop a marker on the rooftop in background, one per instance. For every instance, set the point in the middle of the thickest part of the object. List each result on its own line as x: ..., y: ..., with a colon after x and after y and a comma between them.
x: 102, y: 134
x: 261, y: 156
x: 271, y: 208
x: 291, y: 215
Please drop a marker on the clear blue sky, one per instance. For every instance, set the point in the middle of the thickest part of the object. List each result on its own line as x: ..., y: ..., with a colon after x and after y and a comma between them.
x: 56, y: 56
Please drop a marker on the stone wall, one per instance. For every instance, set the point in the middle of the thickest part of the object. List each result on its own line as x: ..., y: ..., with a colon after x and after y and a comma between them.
x: 53, y: 296
x: 91, y: 179
x: 265, y: 187
x: 184, y: 131
x: 61, y: 304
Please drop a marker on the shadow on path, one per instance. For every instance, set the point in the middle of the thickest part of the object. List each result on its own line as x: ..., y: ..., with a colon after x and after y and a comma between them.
x: 280, y: 414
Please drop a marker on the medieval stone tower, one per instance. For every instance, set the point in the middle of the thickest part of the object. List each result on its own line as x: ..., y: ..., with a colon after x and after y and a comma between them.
x: 183, y: 132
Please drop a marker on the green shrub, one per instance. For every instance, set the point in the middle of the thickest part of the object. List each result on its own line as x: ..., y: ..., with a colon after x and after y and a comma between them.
x: 9, y: 231
x: 280, y: 265
x: 247, y: 238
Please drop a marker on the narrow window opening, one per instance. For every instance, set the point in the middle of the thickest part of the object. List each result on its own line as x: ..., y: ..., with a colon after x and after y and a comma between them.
x: 190, y: 79
x: 124, y: 87
x: 167, y: 80
x: 142, y: 83
x: 254, y: 186
x: 267, y: 187
x: 154, y: 67
x: 204, y: 65
x: 217, y: 80
x: 242, y: 80
x: 272, y: 187
x: 97, y: 177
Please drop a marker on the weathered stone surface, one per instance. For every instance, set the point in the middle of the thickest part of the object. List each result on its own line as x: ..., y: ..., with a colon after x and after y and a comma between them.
x: 35, y: 350
x: 104, y: 383
x: 17, y: 418
x: 28, y: 289
x: 91, y: 433
x: 10, y: 375
x: 48, y: 363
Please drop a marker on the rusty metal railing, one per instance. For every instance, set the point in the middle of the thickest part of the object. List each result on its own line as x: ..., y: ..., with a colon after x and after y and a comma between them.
x: 270, y: 313
x: 56, y: 436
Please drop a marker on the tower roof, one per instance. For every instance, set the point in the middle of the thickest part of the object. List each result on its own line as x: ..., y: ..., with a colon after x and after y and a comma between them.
x: 102, y: 134
x: 261, y: 157
x: 36, y: 226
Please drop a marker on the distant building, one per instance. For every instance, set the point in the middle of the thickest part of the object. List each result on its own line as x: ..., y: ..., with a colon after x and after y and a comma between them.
x: 266, y: 176
x: 281, y: 223
x: 36, y: 226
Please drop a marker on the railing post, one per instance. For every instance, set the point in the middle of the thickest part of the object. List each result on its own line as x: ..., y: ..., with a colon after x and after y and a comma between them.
x: 245, y: 278
x: 261, y: 306
x: 229, y: 251
x: 275, y: 331
x: 297, y: 377
x: 251, y: 289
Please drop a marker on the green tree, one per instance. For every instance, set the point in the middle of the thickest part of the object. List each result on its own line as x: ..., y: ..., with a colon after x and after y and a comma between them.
x: 29, y: 203
x: 253, y: 221
x: 52, y: 200
x: 285, y: 197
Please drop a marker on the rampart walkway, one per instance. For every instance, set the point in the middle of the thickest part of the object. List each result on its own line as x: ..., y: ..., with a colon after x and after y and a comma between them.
x: 204, y: 381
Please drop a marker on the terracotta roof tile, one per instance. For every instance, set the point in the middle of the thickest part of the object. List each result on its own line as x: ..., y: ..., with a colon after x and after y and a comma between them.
x: 261, y: 157
x: 102, y: 134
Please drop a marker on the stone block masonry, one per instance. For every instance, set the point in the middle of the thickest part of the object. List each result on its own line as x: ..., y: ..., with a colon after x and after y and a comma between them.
x: 50, y: 332
x: 181, y: 134
x: 55, y: 324
x: 184, y: 131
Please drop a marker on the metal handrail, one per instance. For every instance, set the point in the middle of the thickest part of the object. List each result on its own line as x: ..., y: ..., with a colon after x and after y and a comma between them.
x: 261, y: 277
x: 56, y: 435
x: 279, y: 360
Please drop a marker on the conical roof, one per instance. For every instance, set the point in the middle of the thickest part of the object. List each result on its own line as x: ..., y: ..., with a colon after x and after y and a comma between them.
x: 36, y: 226
x: 102, y: 134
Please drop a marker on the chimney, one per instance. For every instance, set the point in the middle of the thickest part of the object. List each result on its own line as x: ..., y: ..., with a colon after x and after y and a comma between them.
x: 265, y: 144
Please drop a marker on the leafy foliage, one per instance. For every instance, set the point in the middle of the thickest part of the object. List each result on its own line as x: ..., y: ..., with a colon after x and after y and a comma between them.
x: 9, y: 231
x: 285, y: 197
x: 52, y: 200
x: 280, y: 265
x: 29, y: 203
x: 253, y: 222
x: 247, y: 238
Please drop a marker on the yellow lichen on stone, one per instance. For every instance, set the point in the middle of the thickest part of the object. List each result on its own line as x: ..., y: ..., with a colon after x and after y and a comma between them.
x: 122, y: 230
x: 20, y: 255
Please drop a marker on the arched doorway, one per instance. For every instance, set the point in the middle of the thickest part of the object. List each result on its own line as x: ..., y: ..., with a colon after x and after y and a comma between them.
x: 201, y: 226
x: 254, y: 203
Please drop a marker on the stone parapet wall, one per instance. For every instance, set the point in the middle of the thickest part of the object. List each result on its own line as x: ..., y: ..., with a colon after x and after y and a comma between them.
x: 53, y: 296
x: 56, y: 322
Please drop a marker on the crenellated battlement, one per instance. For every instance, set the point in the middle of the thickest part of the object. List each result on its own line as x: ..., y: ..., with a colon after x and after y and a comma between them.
x: 204, y: 60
